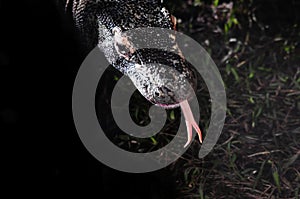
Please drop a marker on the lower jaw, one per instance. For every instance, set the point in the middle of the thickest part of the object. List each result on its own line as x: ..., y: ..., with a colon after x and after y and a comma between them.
x: 168, y: 106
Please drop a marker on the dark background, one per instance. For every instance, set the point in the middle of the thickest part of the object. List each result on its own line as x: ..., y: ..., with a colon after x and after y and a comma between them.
x: 40, y: 56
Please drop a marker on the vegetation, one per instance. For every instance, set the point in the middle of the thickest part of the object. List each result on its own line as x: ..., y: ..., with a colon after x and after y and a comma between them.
x: 255, y: 45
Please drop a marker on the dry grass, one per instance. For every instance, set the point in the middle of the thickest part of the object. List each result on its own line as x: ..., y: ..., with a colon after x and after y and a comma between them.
x: 257, y: 155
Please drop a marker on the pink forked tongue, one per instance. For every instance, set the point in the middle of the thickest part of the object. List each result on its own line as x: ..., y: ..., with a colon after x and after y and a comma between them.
x: 190, y: 122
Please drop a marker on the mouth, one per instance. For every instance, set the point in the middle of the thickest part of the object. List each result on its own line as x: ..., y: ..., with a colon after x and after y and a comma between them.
x: 167, y: 106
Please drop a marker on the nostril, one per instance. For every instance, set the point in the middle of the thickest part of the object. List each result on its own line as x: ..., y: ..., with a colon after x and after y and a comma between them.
x: 157, y: 94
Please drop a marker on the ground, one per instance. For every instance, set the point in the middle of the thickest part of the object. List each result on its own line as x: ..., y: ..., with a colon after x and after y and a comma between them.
x: 256, y: 48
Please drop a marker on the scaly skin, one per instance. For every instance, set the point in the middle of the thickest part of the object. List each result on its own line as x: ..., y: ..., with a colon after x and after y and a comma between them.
x: 102, y: 23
